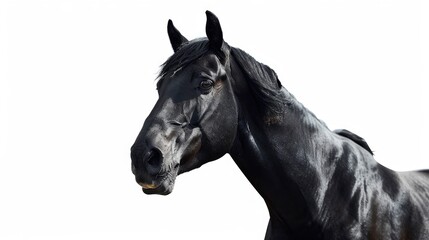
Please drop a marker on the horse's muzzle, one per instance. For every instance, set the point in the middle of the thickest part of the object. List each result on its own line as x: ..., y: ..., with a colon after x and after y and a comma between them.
x: 147, y: 166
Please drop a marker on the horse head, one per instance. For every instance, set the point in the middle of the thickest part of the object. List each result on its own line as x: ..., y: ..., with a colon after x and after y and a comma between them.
x: 195, y: 118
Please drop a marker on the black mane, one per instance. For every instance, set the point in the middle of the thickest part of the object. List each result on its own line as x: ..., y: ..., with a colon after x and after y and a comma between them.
x: 263, y: 82
x: 186, y: 54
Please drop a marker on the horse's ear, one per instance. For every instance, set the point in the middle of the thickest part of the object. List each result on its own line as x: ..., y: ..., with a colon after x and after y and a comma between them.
x: 176, y: 38
x: 214, y: 31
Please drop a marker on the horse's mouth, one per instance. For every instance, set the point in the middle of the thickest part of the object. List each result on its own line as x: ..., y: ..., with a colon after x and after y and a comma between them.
x: 162, y: 189
x: 147, y: 186
x: 162, y: 186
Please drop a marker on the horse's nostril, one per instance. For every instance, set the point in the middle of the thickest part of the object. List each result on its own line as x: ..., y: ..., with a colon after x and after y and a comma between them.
x: 154, y: 157
x: 153, y: 161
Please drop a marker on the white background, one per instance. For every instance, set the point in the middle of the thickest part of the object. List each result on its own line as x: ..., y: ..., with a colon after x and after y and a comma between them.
x: 77, y: 79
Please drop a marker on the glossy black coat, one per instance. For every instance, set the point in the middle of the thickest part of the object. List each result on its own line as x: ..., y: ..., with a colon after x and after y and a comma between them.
x: 317, y: 183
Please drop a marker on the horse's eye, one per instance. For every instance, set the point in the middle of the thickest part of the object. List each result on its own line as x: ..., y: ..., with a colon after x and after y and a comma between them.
x: 206, y: 85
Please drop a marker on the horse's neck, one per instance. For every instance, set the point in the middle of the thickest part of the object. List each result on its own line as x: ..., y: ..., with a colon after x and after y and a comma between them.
x: 283, y: 161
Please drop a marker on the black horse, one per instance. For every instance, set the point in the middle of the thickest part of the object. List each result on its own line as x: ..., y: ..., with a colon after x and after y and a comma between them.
x: 317, y: 183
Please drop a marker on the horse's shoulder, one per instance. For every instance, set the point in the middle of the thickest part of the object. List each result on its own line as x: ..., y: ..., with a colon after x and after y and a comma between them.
x: 355, y: 138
